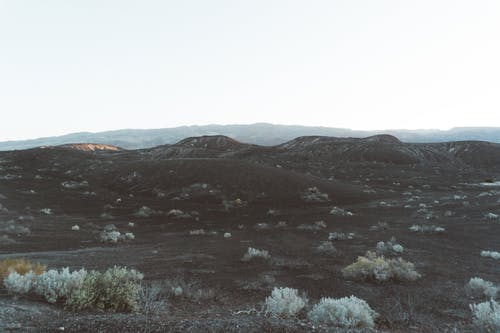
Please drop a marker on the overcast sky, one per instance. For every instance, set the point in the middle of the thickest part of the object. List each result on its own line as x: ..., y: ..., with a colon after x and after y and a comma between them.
x: 93, y: 65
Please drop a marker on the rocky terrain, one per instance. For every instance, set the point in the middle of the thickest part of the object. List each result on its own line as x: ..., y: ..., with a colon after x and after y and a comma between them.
x: 196, y: 206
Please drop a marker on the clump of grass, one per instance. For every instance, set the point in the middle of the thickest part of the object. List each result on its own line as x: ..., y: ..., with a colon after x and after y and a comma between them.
x: 378, y: 268
x: 20, y: 266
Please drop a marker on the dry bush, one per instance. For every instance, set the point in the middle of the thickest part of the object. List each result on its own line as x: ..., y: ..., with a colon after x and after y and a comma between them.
x: 20, y: 266
x: 379, y: 268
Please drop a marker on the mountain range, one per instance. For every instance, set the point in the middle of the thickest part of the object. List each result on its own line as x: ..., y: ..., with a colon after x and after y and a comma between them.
x: 260, y: 133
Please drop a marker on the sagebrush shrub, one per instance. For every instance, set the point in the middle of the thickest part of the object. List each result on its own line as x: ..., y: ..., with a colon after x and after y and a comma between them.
x: 16, y: 283
x: 486, y: 316
x: 478, y: 286
x: 378, y: 268
x: 490, y: 254
x: 55, y: 285
x: 115, y: 290
x: 349, y: 312
x: 255, y: 253
x: 284, y: 302
x: 20, y: 266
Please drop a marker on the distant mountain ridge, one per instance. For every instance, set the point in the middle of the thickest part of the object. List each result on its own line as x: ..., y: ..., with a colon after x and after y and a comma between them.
x: 260, y: 133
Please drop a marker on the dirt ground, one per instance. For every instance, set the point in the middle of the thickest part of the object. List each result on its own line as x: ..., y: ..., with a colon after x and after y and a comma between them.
x: 231, y: 292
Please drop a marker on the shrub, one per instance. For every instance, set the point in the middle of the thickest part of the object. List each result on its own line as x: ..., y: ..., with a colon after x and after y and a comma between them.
x: 341, y: 235
x: 427, y: 228
x: 284, y: 302
x: 486, y: 316
x: 115, y: 290
x: 318, y: 225
x: 227, y: 235
x: 129, y: 235
x: 478, y: 286
x: 112, y: 236
x: 55, y: 285
x: 16, y: 283
x: 20, y: 266
x: 350, y: 312
x: 391, y: 246
x: 379, y: 268
x: 76, y: 227
x: 313, y: 194
x: 340, y: 211
x: 490, y: 254
x: 326, y: 247
x: 255, y: 253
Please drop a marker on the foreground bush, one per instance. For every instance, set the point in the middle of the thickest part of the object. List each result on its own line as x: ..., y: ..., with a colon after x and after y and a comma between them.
x: 20, y: 266
x: 115, y: 290
x: 21, y: 284
x: 486, y: 316
x: 55, y: 285
x: 284, y: 302
x: 379, y: 268
x: 349, y: 312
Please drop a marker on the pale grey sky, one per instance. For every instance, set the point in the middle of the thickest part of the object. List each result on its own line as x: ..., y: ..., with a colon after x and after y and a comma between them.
x: 93, y: 65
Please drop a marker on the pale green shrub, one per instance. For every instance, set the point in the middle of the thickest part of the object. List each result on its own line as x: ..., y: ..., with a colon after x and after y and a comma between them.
x: 350, y: 312
x: 486, y: 316
x: 16, y: 283
x: 55, y: 285
x: 478, y: 286
x: 115, y: 290
x: 285, y: 302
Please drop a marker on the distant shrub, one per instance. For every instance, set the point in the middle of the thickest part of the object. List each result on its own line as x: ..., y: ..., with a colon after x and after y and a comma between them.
x: 129, y: 235
x: 145, y: 211
x: 75, y: 227
x: 340, y: 212
x: 478, y: 286
x: 486, y: 316
x: 326, y: 247
x: 318, y: 225
x: 227, y: 235
x: 349, y: 312
x: 341, y: 235
x: 490, y: 254
x: 491, y: 216
x: 284, y: 302
x: 313, y: 194
x: 426, y: 228
x: 378, y: 268
x: 112, y: 236
x: 20, y: 266
x: 255, y: 253
x: 115, y: 290
x: 391, y: 247
x: 379, y: 226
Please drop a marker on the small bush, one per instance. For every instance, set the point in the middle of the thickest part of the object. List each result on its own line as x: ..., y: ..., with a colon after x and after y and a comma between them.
x: 378, y: 268
x: 427, y: 228
x: 349, y: 312
x: 255, y: 253
x: 478, y: 286
x: 115, y: 290
x: 341, y: 235
x: 76, y: 227
x: 318, y: 225
x: 20, y: 266
x: 390, y: 247
x: 313, y: 194
x: 486, y: 316
x: 326, y: 247
x: 284, y: 302
x: 490, y: 254
x: 340, y: 212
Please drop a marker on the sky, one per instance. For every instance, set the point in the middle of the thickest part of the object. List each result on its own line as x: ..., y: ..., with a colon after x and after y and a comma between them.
x: 94, y: 65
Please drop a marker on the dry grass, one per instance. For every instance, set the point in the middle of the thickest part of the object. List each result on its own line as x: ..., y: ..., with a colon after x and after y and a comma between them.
x: 20, y: 266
